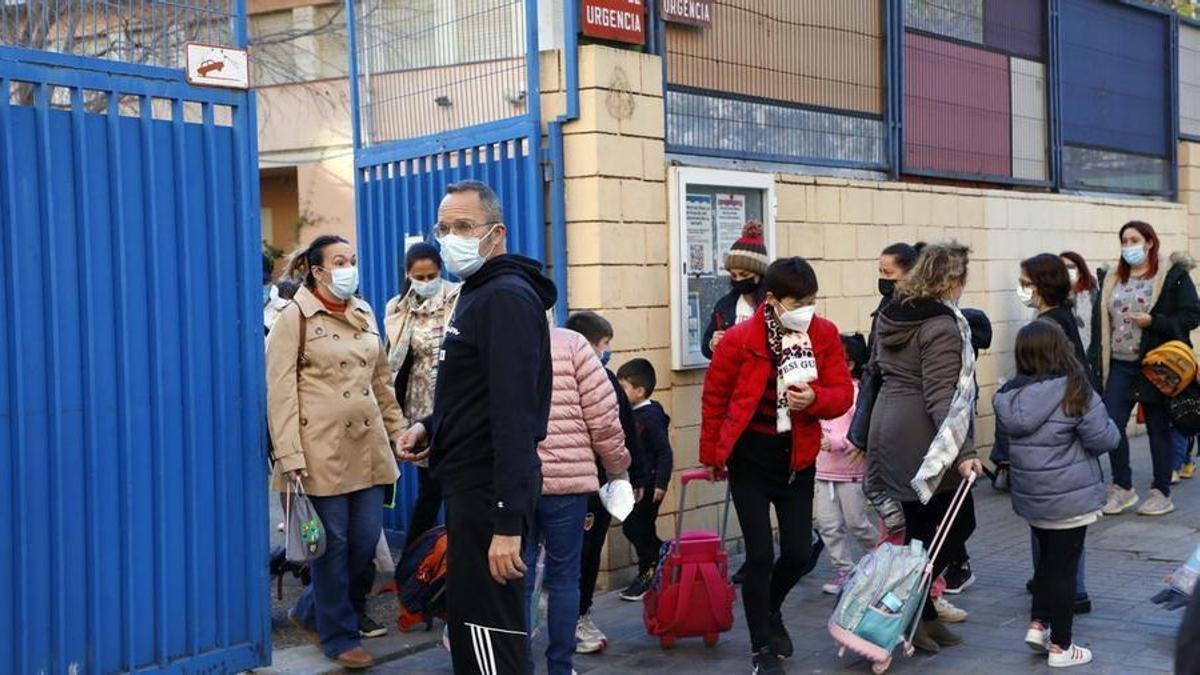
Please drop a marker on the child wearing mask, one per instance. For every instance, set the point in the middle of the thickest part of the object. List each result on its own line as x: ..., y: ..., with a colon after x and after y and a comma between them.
x: 1058, y: 427
x: 773, y: 379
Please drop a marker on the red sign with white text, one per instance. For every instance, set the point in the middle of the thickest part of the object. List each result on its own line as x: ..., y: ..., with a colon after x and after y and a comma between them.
x: 617, y: 20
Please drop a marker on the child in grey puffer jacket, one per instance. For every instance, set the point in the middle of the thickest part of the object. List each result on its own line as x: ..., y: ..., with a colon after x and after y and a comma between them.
x: 1057, y: 427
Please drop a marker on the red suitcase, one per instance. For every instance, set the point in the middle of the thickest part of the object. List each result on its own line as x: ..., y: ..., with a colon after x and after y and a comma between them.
x: 691, y: 595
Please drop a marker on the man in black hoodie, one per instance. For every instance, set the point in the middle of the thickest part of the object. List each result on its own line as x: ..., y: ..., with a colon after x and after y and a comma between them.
x: 490, y: 411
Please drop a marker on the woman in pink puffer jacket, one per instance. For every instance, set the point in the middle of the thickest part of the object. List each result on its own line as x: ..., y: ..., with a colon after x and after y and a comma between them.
x: 584, y: 427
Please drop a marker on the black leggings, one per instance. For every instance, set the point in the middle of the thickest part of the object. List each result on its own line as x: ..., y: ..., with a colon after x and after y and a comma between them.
x: 593, y: 545
x: 768, y: 580
x: 1054, y: 581
x: 921, y: 523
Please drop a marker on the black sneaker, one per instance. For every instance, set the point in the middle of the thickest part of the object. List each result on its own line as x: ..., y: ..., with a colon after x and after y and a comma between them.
x: 638, y: 587
x: 1083, y: 604
x: 766, y: 662
x: 781, y: 642
x: 959, y: 578
x: 739, y: 576
x: 368, y: 628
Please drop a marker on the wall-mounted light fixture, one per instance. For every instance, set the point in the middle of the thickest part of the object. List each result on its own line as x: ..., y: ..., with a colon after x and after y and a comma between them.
x: 443, y: 101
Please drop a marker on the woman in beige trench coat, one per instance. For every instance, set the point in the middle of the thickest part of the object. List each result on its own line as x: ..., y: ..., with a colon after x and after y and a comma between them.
x: 333, y: 416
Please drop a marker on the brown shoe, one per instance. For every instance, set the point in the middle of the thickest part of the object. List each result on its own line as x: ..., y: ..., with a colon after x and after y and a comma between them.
x: 940, y: 634
x: 356, y: 659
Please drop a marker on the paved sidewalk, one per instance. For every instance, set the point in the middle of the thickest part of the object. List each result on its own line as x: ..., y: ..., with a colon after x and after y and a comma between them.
x: 1127, y: 558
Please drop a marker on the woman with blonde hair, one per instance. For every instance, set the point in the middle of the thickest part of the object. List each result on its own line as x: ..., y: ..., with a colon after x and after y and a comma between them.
x: 920, y: 442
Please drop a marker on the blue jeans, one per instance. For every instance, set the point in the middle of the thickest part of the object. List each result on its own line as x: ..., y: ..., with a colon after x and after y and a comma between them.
x: 1123, y: 377
x: 558, y: 525
x: 1080, y: 580
x: 330, y: 603
x: 1179, y: 443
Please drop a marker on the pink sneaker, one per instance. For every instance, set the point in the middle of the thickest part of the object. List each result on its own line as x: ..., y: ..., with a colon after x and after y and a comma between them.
x: 834, y: 585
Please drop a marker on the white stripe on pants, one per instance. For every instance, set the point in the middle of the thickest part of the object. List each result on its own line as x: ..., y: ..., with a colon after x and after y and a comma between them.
x: 841, y: 512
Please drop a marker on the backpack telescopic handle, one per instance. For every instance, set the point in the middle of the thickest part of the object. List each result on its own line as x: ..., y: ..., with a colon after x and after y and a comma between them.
x: 685, y: 478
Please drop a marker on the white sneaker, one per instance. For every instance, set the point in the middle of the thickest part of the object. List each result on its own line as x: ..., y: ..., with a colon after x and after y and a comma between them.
x: 1065, y: 658
x: 1119, y: 500
x: 588, y: 638
x: 1157, y: 504
x: 1038, y: 638
x: 948, y: 612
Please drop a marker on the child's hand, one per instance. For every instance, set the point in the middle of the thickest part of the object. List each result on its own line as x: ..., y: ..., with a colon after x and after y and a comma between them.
x: 856, y: 455
x: 825, y: 446
x: 659, y: 493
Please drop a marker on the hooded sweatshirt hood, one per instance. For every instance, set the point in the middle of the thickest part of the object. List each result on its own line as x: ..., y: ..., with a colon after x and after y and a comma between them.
x: 900, y: 320
x: 517, y: 265
x: 1025, y: 403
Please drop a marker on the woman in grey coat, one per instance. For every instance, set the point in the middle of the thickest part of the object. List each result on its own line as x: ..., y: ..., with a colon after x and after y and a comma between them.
x: 925, y: 358
x: 1057, y: 427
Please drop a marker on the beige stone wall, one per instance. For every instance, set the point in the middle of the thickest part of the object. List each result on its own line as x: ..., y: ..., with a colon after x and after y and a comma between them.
x: 618, y: 246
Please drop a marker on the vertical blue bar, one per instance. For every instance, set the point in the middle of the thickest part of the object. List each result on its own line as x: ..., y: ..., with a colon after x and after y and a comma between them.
x: 220, y: 395
x: 892, y: 35
x: 125, y: 439
x: 1054, y: 91
x: 50, y: 276
x: 158, y: 443
x: 190, y: 404
x: 16, y: 486
x: 92, y: 489
x: 249, y: 233
x: 352, y: 48
x: 1173, y: 106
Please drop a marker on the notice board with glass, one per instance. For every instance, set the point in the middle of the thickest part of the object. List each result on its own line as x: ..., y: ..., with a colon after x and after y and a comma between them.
x: 709, y: 208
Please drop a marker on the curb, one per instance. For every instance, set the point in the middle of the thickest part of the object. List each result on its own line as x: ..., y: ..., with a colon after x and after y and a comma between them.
x: 309, y: 659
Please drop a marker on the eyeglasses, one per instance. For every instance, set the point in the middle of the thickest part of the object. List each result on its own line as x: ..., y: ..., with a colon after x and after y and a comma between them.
x: 460, y: 228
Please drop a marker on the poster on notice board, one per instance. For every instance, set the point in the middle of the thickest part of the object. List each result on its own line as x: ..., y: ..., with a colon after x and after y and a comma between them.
x: 731, y: 218
x: 701, y: 259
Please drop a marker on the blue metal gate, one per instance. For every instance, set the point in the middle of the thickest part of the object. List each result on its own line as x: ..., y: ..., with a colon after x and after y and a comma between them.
x: 442, y: 94
x: 132, y: 484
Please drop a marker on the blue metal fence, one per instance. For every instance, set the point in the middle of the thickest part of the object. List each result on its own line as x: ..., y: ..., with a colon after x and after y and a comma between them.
x: 131, y: 473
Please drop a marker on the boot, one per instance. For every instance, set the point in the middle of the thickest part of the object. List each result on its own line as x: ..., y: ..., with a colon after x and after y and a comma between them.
x: 356, y: 658
x: 922, y: 640
x: 938, y: 632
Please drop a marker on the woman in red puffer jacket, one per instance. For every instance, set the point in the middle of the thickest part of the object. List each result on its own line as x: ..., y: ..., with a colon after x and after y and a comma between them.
x: 772, y: 380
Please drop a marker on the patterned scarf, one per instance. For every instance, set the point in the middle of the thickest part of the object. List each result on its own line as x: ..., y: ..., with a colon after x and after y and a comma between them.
x: 795, y: 363
x: 952, y: 435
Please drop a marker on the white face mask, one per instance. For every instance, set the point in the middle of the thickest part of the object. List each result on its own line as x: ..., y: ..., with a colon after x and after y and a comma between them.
x: 462, y: 254
x: 1025, y: 295
x: 1073, y: 275
x: 427, y: 289
x: 796, y: 320
x: 344, y: 282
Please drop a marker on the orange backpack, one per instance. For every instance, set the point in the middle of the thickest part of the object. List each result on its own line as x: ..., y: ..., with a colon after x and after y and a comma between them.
x: 421, y: 581
x: 1170, y: 367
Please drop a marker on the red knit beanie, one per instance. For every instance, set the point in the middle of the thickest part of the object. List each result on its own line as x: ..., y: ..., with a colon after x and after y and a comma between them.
x: 750, y: 251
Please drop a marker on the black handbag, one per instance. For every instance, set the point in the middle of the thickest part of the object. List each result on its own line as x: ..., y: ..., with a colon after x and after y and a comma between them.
x: 1184, y: 410
x: 868, y: 390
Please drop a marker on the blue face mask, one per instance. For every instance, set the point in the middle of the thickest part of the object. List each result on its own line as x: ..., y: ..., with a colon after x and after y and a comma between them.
x: 605, y: 356
x: 1134, y: 255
